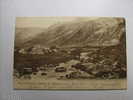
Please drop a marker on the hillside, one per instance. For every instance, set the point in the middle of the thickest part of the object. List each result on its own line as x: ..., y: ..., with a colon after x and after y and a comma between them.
x: 23, y: 35
x: 99, y: 32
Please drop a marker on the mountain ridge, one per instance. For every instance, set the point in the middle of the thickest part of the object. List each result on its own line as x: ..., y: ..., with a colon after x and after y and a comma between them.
x: 100, y: 32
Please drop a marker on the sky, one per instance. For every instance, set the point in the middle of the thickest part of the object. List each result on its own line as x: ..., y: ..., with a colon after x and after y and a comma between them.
x: 43, y: 22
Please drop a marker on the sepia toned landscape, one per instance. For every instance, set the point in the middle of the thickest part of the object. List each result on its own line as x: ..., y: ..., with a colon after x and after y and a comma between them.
x: 70, y: 53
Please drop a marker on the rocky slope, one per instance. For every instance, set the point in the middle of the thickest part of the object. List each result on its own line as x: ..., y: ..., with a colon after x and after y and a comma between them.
x: 98, y: 32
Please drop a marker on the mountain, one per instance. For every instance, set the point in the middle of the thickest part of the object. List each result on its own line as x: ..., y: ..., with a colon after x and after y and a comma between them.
x: 23, y: 35
x: 97, y: 32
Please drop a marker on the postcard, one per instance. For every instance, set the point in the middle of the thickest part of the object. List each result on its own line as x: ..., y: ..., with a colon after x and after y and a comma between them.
x: 70, y: 53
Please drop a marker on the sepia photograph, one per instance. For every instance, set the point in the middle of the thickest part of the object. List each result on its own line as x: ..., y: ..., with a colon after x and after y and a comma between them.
x: 70, y: 53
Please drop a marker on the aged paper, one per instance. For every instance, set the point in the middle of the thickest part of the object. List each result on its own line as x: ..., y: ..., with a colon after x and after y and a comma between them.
x: 70, y: 53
